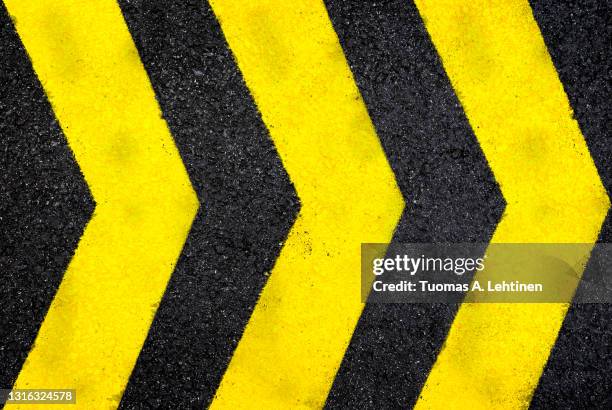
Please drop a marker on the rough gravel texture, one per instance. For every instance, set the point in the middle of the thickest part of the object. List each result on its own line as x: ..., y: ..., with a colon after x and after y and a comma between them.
x: 450, y: 193
x: 247, y: 204
x: 579, y: 39
x: 44, y: 203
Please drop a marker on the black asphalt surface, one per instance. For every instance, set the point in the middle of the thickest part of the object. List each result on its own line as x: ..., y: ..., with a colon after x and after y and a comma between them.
x: 248, y: 203
x: 44, y: 203
x: 449, y: 190
x: 579, y: 38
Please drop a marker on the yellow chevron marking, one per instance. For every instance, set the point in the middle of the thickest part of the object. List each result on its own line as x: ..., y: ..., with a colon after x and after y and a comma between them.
x: 498, y: 64
x: 294, y: 66
x: 97, y: 323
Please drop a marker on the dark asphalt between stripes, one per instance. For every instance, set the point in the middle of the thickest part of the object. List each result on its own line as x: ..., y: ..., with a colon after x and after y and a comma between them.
x: 44, y: 203
x: 248, y: 204
x: 450, y: 192
x: 579, y: 37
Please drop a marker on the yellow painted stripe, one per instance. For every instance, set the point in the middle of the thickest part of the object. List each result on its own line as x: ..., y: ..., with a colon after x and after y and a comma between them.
x: 96, y: 325
x: 294, y: 66
x: 500, y: 68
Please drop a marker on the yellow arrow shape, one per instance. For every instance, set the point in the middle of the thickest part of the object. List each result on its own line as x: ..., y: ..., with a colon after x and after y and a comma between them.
x: 500, y: 68
x: 294, y: 66
x: 89, y: 67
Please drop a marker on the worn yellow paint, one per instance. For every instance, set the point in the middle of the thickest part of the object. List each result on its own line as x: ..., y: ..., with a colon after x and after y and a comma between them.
x: 294, y: 66
x: 500, y: 68
x: 89, y: 67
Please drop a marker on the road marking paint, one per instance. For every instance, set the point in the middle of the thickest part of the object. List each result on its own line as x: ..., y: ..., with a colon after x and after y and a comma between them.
x: 89, y: 67
x: 294, y: 66
x: 501, y: 70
